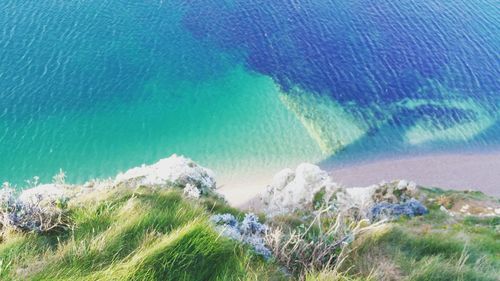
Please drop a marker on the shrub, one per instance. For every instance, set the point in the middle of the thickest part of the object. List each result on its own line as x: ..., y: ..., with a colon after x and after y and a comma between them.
x: 409, y: 208
x: 250, y: 231
x: 30, y: 216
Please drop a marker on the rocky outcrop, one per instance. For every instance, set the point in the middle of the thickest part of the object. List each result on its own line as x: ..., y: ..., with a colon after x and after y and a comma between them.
x: 46, y: 193
x: 309, y: 186
x: 292, y: 190
x: 175, y: 171
x: 41, y: 207
x: 395, y: 191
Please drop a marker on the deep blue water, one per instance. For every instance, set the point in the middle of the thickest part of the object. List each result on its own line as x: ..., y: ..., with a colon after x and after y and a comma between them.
x: 370, y: 53
x: 98, y: 86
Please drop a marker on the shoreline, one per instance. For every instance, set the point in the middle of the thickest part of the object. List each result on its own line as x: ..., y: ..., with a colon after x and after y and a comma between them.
x: 455, y: 171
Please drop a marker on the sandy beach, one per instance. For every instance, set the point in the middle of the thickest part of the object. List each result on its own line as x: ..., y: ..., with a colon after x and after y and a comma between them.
x: 240, y: 192
x: 459, y: 171
x: 478, y: 171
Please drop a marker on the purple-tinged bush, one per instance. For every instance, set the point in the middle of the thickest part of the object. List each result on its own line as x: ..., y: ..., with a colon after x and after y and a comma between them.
x: 251, y: 225
x: 250, y: 231
x: 31, y: 215
x: 409, y: 208
x: 225, y: 219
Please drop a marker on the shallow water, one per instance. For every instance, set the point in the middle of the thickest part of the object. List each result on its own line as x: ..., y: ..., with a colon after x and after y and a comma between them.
x: 95, y: 87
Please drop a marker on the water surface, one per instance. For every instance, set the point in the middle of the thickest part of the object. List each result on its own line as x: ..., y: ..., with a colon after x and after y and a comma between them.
x: 96, y: 87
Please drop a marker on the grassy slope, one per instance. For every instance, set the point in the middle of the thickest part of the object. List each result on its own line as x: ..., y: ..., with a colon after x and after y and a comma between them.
x: 432, y: 247
x: 133, y: 235
x: 158, y: 235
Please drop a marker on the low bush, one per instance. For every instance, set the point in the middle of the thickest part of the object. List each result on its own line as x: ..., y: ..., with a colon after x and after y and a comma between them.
x: 38, y: 215
x: 250, y: 231
x: 410, y: 208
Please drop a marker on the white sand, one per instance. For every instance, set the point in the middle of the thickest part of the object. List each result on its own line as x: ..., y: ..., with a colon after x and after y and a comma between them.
x: 240, y: 192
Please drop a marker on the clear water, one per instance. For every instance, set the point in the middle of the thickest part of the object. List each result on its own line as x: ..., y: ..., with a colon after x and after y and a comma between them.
x: 99, y: 86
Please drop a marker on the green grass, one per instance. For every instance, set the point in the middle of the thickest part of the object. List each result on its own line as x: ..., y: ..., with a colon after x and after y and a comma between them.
x: 471, y: 194
x: 430, y: 248
x: 149, y: 234
x: 133, y: 235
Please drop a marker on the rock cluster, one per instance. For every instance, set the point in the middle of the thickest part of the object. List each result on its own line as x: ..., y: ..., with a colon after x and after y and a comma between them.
x: 300, y: 189
x: 175, y: 171
x: 292, y: 190
x: 394, y: 192
x: 46, y: 193
x: 34, y: 209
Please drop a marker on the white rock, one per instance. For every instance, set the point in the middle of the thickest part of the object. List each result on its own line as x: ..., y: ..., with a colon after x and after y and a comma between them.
x: 442, y: 208
x: 497, y: 211
x: 191, y: 191
x: 283, y: 178
x: 357, y: 196
x: 99, y: 184
x: 173, y: 171
x: 412, y: 186
x: 402, y: 184
x: 44, y: 193
x: 291, y: 190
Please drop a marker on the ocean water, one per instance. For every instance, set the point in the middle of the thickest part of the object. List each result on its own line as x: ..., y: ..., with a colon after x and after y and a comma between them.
x: 245, y: 87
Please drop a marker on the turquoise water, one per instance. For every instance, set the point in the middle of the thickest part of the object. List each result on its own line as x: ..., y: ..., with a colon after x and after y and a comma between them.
x: 244, y: 87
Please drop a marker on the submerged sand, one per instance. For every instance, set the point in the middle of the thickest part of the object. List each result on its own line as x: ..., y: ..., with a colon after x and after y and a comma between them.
x: 458, y: 171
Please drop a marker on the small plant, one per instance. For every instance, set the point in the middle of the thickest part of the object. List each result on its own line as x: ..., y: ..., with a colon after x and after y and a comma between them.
x: 319, y: 198
x: 34, y: 182
x: 445, y: 201
x: 59, y: 178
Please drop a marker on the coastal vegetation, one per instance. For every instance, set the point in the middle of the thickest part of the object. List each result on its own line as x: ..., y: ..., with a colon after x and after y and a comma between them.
x: 166, y: 222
